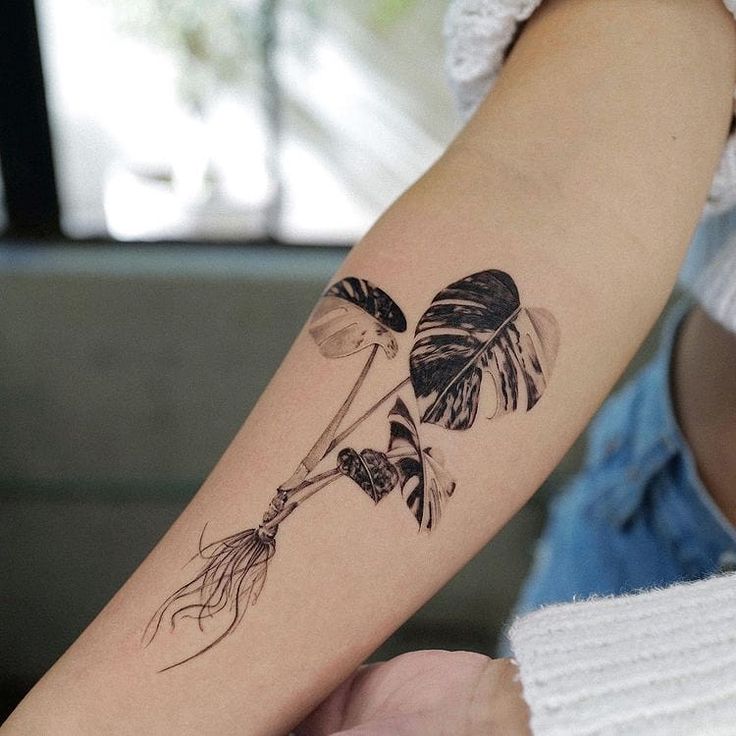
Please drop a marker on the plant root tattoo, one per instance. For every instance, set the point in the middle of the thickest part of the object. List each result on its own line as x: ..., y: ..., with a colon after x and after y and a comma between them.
x: 232, y: 578
x: 474, y: 340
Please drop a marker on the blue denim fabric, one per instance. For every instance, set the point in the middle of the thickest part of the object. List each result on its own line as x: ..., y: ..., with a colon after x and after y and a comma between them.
x: 637, y: 514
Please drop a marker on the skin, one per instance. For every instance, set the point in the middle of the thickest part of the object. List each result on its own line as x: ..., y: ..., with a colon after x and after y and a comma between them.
x: 704, y: 387
x: 429, y: 692
x: 570, y: 178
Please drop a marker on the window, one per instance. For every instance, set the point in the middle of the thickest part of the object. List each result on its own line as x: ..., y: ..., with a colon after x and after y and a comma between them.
x: 299, y: 120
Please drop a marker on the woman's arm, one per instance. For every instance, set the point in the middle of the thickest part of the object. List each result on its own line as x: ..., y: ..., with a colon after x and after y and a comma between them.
x: 581, y: 177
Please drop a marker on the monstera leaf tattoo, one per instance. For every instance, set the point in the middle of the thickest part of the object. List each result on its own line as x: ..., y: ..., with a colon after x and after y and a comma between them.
x: 425, y: 484
x: 475, y: 335
x: 353, y: 315
x: 418, y: 471
x: 475, y: 326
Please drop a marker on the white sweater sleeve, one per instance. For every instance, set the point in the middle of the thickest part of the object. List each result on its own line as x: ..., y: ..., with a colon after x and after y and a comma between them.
x: 658, y: 662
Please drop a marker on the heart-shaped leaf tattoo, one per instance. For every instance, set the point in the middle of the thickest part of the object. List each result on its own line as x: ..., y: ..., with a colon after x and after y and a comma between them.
x: 353, y: 314
x: 370, y: 469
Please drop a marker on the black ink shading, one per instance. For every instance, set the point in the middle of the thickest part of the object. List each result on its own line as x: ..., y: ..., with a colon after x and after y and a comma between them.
x: 351, y: 316
x: 425, y: 484
x: 474, y: 326
x: 372, y: 470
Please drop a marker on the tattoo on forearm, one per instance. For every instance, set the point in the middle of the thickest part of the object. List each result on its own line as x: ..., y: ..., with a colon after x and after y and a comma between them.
x: 474, y: 330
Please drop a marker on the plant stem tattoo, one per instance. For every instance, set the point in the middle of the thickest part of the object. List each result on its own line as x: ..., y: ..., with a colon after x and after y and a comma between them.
x: 475, y: 333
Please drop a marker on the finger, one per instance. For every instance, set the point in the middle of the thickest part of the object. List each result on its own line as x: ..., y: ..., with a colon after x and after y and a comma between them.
x: 410, y: 724
x: 330, y: 715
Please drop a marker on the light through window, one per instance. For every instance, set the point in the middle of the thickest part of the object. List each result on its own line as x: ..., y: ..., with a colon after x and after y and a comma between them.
x: 240, y: 119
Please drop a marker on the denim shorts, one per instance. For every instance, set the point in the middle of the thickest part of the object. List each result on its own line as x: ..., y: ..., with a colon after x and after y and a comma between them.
x: 637, y: 515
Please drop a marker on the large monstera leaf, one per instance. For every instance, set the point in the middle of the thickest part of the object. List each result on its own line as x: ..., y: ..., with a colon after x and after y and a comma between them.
x: 474, y: 326
x: 353, y: 314
x: 425, y: 484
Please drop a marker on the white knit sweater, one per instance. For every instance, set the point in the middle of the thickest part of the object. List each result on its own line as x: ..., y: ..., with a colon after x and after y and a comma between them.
x: 478, y: 34
x: 657, y: 663
x: 663, y: 661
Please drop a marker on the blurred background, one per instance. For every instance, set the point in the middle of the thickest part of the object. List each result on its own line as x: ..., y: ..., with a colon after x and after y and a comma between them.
x: 179, y: 181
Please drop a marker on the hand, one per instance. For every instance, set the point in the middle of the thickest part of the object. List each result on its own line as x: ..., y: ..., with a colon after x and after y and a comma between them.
x: 427, y: 693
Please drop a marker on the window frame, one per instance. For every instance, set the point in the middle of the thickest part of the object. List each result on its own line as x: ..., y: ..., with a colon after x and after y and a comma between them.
x: 32, y: 203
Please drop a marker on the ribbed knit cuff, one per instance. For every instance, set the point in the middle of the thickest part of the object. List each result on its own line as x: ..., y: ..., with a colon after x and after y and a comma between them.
x: 659, y: 662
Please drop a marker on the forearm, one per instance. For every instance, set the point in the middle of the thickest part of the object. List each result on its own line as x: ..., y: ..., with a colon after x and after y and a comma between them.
x: 569, y: 179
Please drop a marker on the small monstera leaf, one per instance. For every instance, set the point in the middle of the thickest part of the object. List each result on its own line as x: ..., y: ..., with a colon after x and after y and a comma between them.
x: 425, y: 484
x: 370, y: 469
x: 353, y: 314
x: 473, y: 326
